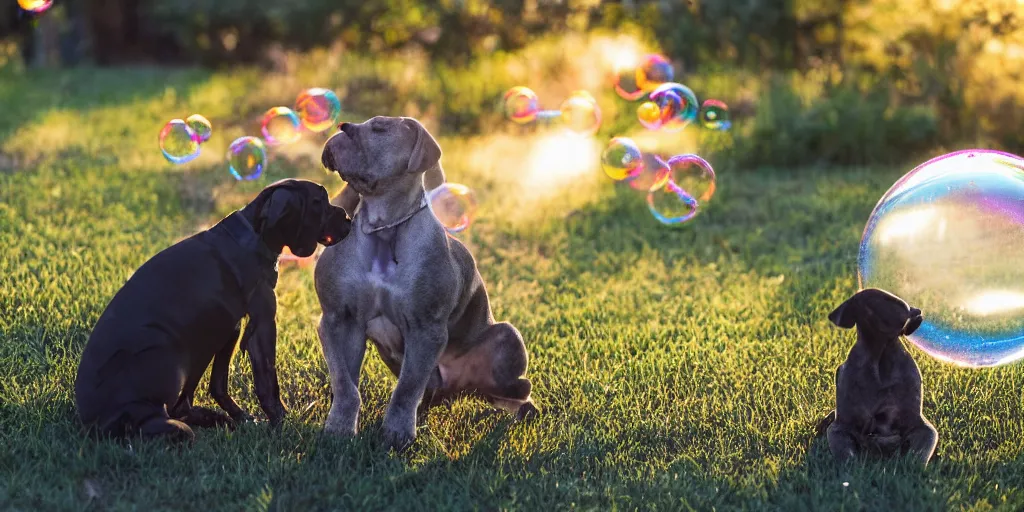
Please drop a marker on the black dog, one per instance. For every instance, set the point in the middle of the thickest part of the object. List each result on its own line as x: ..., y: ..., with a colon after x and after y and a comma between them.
x: 183, y: 308
x: 878, y: 388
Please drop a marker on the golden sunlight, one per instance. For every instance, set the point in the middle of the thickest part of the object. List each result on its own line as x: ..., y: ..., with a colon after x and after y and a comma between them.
x: 622, y: 58
x: 557, y: 159
x: 900, y: 227
x: 995, y: 302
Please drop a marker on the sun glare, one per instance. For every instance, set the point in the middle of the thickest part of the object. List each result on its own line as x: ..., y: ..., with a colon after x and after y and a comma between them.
x: 995, y: 302
x: 556, y: 160
x: 905, y: 225
x: 620, y: 54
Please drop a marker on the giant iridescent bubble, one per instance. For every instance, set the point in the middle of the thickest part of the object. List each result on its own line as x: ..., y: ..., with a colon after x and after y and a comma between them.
x: 949, y: 238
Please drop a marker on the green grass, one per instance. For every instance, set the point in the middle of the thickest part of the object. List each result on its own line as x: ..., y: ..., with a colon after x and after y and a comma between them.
x: 677, y: 369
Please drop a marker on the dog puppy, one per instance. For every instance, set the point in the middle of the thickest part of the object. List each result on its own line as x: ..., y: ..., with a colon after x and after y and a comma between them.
x: 184, y: 307
x: 415, y: 292
x: 878, y: 388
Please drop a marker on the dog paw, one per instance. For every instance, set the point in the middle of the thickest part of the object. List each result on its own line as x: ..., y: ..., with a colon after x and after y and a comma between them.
x: 527, y: 411
x: 173, y: 430
x: 276, y: 420
x: 242, y: 417
x: 398, y: 441
x: 275, y: 414
x: 339, y: 428
x: 203, y: 417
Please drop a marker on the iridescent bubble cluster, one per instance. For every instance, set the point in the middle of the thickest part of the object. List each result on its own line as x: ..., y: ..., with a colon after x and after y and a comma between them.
x: 669, y: 106
x: 579, y: 113
x: 632, y: 83
x: 672, y: 107
x: 180, y: 140
x: 948, y: 238
x: 677, y: 188
x: 316, y: 110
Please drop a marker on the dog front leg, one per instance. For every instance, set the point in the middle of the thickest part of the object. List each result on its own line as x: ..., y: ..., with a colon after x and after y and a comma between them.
x: 921, y: 441
x: 262, y: 350
x: 423, y: 350
x: 219, y: 380
x: 841, y: 442
x: 344, y: 346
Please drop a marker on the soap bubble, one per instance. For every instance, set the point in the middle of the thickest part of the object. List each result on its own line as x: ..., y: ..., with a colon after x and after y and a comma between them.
x: 454, y: 205
x: 625, y: 85
x: 247, y: 158
x: 35, y: 6
x: 677, y: 106
x: 649, y: 115
x: 580, y: 113
x: 714, y: 115
x: 653, y: 173
x: 671, y: 205
x: 281, y: 126
x: 690, y: 184
x: 521, y: 105
x: 653, y: 71
x: 200, y: 126
x: 318, y: 109
x: 695, y: 175
x: 948, y: 238
x: 178, y: 142
x: 621, y: 159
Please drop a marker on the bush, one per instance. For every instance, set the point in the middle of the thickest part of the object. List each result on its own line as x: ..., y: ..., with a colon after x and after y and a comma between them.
x: 857, y: 88
x: 846, y: 124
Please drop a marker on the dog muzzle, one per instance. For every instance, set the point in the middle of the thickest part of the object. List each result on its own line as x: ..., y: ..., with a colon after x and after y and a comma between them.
x: 913, y: 322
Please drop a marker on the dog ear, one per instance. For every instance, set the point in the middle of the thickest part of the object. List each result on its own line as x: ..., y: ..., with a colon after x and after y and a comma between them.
x: 434, y: 177
x: 844, y: 316
x: 426, y: 153
x: 279, y: 209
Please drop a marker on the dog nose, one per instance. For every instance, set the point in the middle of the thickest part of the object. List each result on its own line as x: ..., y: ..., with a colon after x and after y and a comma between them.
x: 345, y: 127
x: 914, y: 312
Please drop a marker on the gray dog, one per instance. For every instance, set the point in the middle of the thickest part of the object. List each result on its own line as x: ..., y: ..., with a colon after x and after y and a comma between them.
x: 878, y: 389
x: 400, y: 281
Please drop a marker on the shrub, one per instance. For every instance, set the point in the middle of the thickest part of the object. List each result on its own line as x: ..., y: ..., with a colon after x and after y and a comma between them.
x: 846, y: 124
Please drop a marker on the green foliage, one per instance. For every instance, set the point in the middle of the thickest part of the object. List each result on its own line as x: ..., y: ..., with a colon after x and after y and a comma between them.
x: 845, y: 124
x: 678, y: 369
x: 450, y: 31
x: 946, y: 76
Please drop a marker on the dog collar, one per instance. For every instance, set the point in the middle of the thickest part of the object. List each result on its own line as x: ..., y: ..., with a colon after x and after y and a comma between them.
x: 369, y: 229
x: 239, y: 228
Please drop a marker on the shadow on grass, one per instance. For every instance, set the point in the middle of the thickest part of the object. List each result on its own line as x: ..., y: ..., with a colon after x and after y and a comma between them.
x: 298, y: 468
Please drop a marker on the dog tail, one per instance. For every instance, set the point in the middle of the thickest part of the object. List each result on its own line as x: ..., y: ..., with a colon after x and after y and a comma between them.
x: 824, y: 423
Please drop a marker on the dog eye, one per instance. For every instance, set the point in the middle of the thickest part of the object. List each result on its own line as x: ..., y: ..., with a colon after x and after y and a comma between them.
x: 378, y: 128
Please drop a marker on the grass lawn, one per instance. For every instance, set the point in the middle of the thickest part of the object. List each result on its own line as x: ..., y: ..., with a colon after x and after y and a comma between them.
x: 677, y: 369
